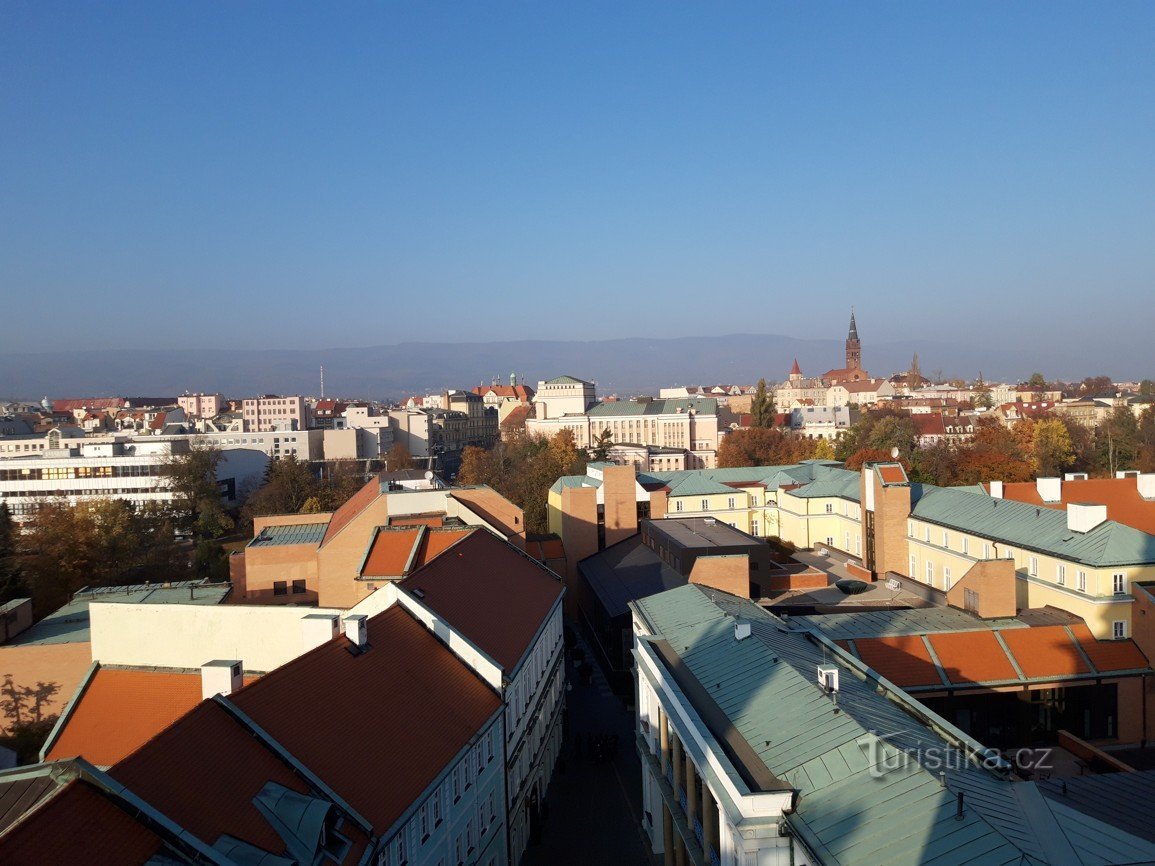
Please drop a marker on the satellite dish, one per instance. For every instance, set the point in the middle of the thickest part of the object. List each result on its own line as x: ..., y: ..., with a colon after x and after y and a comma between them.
x: 894, y: 453
x: 429, y: 475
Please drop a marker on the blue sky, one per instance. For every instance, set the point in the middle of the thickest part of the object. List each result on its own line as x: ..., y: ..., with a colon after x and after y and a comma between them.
x: 318, y: 175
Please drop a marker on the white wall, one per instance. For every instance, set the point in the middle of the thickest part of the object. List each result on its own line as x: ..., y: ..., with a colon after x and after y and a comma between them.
x: 187, y: 636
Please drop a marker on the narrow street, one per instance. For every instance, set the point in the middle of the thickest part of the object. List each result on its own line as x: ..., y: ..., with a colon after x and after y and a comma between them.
x: 594, y: 802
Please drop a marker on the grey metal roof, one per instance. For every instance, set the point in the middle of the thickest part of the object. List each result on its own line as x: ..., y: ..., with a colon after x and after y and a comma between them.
x: 625, y: 572
x: 1026, y: 526
x: 848, y: 812
x: 887, y: 623
x: 301, y: 533
x: 567, y: 380
x: 1123, y: 800
x: 624, y: 408
x: 70, y: 623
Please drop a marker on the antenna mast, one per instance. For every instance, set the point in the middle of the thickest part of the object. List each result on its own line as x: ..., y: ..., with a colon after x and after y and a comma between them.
x: 322, y: 381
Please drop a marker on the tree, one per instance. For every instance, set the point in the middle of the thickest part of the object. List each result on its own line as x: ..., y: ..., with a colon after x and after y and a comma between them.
x: 398, y: 457
x: 197, y: 506
x: 1096, y: 385
x: 914, y: 376
x: 1037, y: 385
x: 288, y: 486
x: 11, y: 583
x: 1147, y: 440
x: 762, y: 406
x: 823, y: 450
x: 983, y: 397
x: 1147, y: 389
x: 762, y: 446
x: 603, y: 442
x: 1051, y: 449
x: 1117, y: 442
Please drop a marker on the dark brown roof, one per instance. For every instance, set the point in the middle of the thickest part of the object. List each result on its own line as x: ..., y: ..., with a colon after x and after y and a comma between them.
x: 491, y: 593
x: 377, y: 727
x: 81, y: 824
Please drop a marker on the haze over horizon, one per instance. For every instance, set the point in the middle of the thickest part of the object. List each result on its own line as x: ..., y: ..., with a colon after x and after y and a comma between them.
x: 278, y: 176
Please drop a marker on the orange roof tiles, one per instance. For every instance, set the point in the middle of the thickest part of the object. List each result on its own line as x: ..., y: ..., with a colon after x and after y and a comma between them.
x: 491, y: 593
x: 437, y: 542
x: 973, y: 656
x: 1120, y: 495
x: 391, y: 552
x: 904, y: 660
x: 203, y: 772
x: 892, y: 474
x: 1110, y: 655
x: 80, y: 824
x: 418, y: 520
x: 357, y: 503
x: 405, y: 708
x: 121, y: 710
x: 1045, y: 651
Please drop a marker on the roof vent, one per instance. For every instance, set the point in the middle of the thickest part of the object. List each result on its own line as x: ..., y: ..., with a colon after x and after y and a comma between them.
x: 318, y: 628
x: 1085, y: 516
x: 1127, y: 473
x: 709, y: 521
x: 741, y: 630
x: 1075, y: 476
x: 220, y: 677
x: 828, y: 678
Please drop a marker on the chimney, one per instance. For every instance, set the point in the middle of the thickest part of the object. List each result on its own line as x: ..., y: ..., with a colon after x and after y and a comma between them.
x: 1050, y: 489
x: 828, y: 677
x: 1085, y: 516
x: 357, y: 628
x: 996, y: 489
x: 1075, y: 476
x: 1127, y: 473
x: 1146, y: 484
x: 220, y: 677
x: 318, y: 628
x: 741, y: 630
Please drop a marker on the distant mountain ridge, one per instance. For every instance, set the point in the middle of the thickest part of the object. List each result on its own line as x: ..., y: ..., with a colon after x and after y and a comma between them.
x: 622, y: 366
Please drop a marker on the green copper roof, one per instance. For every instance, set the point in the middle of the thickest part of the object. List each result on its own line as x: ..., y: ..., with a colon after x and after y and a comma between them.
x: 1026, y: 526
x: 567, y: 380
x: 624, y: 408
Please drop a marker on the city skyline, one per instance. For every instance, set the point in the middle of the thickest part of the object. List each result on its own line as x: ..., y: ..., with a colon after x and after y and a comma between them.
x: 972, y: 174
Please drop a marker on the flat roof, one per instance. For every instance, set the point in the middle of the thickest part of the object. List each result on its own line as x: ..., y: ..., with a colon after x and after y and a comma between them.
x: 700, y: 532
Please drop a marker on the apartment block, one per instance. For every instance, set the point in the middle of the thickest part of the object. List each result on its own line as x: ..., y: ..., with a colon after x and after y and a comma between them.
x: 201, y: 405
x: 274, y: 413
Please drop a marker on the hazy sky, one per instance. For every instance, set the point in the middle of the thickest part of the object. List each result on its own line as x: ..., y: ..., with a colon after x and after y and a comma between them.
x: 317, y: 175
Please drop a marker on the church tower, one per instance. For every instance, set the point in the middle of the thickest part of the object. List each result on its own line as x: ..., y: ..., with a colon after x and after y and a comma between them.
x: 853, y: 346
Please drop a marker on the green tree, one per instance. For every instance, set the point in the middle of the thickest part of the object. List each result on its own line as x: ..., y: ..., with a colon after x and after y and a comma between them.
x: 289, y: 484
x: 1117, y: 442
x: 11, y: 582
x: 1037, y: 385
x: 1147, y: 389
x: 603, y: 442
x: 983, y: 397
x: 1147, y: 440
x: 197, y: 506
x: 762, y: 406
x: 1051, y: 448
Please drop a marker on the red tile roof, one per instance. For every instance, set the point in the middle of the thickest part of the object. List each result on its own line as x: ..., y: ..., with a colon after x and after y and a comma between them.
x: 929, y: 425
x: 1120, y: 495
x: 436, y: 542
x: 357, y: 503
x: 79, y: 824
x: 204, y: 770
x: 973, y: 656
x: 69, y: 404
x: 391, y: 552
x: 892, y: 473
x: 491, y: 593
x: 122, y: 709
x: 1110, y: 655
x: 405, y: 709
x: 904, y: 660
x: 1046, y: 651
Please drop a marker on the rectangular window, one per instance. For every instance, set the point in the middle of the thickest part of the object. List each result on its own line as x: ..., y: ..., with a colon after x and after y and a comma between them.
x: 1081, y: 581
x: 1061, y: 574
x: 753, y: 527
x: 986, y: 550
x: 926, y: 534
x: 705, y: 504
x: 930, y: 573
x: 1119, y: 583
x: 829, y: 507
x: 946, y: 577
x: 966, y: 545
x: 1033, y: 566
x: 280, y: 587
x: 298, y: 587
x: 423, y: 819
x: 945, y: 538
x: 731, y: 502
x: 910, y: 528
x: 1119, y: 629
x: 754, y: 500
x: 678, y: 505
x: 436, y: 810
x: 913, y: 565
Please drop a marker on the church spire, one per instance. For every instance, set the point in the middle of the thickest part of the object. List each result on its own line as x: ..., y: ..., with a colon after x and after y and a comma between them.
x: 853, y: 327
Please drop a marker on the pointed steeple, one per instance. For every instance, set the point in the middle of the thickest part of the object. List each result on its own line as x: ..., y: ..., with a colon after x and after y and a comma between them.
x: 795, y: 370
x: 853, y: 327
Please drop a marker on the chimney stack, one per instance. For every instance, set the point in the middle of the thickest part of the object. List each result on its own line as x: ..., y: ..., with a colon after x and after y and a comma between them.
x: 357, y: 628
x: 741, y: 630
x: 220, y: 677
x: 1050, y: 489
x: 996, y: 489
x: 1146, y: 485
x: 1085, y: 516
x: 318, y: 628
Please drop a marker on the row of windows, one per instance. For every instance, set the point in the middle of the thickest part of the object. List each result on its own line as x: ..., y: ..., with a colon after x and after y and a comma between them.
x: 55, y: 473
x: 281, y: 587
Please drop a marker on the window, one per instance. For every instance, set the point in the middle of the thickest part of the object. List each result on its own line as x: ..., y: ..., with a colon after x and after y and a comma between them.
x: 913, y: 565
x: 1081, y: 581
x: 986, y: 550
x: 435, y: 802
x: 705, y: 504
x: 280, y: 587
x: 910, y: 528
x: 456, y: 783
x: 298, y: 587
x: 1033, y: 566
x: 829, y: 507
x: 1061, y: 574
x: 678, y: 505
x: 946, y: 577
x: 754, y: 499
x: 930, y: 572
x: 730, y: 503
x: 753, y: 527
x: 830, y: 541
x: 1119, y: 629
x: 926, y: 534
x: 966, y: 545
x: 945, y: 538
x: 1119, y: 583
x: 423, y: 819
